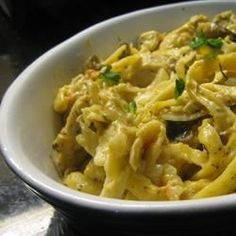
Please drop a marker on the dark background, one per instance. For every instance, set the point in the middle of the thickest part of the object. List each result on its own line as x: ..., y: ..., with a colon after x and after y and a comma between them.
x: 37, y: 25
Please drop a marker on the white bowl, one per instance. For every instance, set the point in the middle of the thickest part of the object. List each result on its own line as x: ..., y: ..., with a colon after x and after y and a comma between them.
x: 29, y: 125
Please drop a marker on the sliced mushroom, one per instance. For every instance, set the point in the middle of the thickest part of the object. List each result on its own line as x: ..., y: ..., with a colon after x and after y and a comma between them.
x: 219, y: 31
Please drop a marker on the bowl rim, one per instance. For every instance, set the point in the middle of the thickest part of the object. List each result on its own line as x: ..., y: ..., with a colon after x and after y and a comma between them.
x: 57, y: 191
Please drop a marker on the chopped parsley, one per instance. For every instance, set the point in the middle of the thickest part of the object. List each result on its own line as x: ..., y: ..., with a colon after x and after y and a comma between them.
x: 215, y: 43
x: 132, y: 107
x: 198, y: 41
x: 179, y: 87
x: 201, y: 40
x: 109, y: 76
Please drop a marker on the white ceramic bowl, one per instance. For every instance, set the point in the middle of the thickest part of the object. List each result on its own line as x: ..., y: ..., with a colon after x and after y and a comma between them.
x: 28, y: 125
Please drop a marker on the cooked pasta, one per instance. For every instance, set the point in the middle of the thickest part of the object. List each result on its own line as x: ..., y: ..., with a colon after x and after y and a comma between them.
x: 154, y: 120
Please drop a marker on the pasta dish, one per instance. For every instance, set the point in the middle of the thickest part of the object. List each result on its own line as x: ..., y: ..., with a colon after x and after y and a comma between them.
x: 155, y: 120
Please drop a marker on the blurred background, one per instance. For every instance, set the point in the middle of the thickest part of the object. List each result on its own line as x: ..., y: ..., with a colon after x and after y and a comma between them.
x: 28, y: 28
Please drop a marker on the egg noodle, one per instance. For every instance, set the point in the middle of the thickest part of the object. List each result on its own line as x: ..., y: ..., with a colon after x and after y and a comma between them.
x: 154, y: 121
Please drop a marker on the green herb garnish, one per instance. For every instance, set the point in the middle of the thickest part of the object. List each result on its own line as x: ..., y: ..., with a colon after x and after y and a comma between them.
x: 132, y: 107
x: 215, y: 43
x: 222, y: 72
x: 179, y: 87
x: 201, y: 40
x: 109, y: 76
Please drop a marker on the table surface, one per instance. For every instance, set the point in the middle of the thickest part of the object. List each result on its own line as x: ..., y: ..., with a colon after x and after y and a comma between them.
x: 22, y: 39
